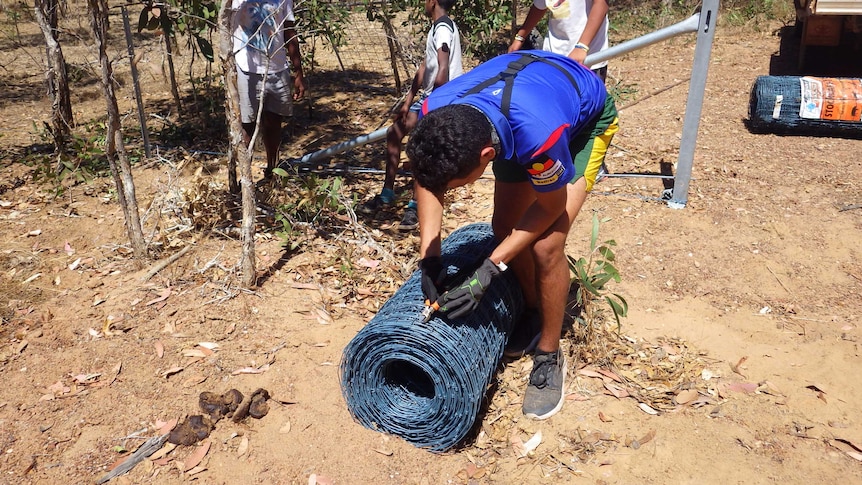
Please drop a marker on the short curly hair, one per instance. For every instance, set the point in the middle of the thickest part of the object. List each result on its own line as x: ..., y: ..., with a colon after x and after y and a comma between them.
x: 446, y: 4
x: 446, y: 144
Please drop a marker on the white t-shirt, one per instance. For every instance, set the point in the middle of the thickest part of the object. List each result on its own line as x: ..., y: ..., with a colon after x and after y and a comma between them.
x: 567, y: 23
x: 444, y: 31
x: 259, y: 34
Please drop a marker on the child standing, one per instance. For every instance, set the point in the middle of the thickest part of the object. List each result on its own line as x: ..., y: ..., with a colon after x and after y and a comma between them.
x: 575, y: 28
x: 442, y: 63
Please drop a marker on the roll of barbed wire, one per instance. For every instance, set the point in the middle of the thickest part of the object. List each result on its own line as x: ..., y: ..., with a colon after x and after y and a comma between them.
x: 425, y: 382
x: 806, y: 106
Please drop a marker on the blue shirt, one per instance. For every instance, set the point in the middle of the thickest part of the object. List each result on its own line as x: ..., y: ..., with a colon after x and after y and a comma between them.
x: 546, y: 111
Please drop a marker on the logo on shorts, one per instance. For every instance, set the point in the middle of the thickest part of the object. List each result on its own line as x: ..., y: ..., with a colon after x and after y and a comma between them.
x: 547, y: 173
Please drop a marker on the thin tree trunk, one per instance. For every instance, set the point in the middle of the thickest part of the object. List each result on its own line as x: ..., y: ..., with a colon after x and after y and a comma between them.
x: 55, y: 75
x: 393, y: 51
x: 116, y: 149
x: 238, y: 150
x: 166, y: 29
x: 231, y: 94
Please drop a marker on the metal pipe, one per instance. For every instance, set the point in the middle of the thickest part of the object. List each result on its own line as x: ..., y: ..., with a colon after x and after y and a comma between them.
x: 688, y: 25
x: 339, y: 148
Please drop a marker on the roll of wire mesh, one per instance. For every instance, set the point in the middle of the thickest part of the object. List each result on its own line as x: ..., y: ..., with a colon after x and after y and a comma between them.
x: 425, y: 382
x: 825, y: 106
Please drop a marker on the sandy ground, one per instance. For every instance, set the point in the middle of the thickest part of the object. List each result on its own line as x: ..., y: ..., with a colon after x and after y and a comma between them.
x: 755, y: 285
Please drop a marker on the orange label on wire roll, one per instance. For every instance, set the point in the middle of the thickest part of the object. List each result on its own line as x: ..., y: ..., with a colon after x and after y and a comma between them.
x: 831, y: 99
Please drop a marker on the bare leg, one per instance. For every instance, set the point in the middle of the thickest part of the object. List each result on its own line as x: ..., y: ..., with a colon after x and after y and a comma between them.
x: 394, y: 135
x: 552, y: 269
x: 510, y: 203
x: 270, y: 133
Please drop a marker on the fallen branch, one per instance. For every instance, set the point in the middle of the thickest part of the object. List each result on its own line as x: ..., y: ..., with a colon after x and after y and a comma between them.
x: 149, y: 447
x: 164, y: 263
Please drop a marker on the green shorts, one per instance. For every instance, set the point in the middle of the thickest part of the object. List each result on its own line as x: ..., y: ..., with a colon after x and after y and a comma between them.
x: 588, y: 150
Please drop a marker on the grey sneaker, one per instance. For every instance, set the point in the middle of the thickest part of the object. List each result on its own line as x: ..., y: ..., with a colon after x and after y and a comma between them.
x: 373, y: 206
x: 410, y: 221
x: 544, y: 396
x: 525, y: 336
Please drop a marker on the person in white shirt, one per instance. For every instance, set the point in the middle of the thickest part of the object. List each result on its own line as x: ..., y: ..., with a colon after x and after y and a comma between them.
x: 575, y: 28
x: 266, y: 48
x: 442, y: 63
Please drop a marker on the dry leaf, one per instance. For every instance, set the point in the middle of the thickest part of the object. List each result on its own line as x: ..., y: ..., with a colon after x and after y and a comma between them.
x: 747, y: 387
x: 604, y: 418
x: 194, y: 380
x: 587, y: 372
x: 196, y: 470
x: 86, y: 378
x: 243, y: 446
x: 118, y: 462
x: 160, y: 349
x: 645, y: 408
x: 735, y: 368
x: 615, y: 390
x: 209, y: 345
x: 383, y: 451
x: 161, y: 453
x: 171, y: 371
x: 609, y: 375
x: 647, y: 437
x: 68, y: 249
x: 162, y: 461
x: 767, y: 387
x: 368, y: 263
x: 74, y: 265
x: 197, y: 353
x: 323, y: 316
x: 315, y: 479
x: 195, y: 458
x: 533, y: 442
x: 162, y: 297
x: 251, y: 370
x: 166, y: 426
x: 517, y: 445
x: 59, y: 388
x: 686, y: 396
x: 285, y: 429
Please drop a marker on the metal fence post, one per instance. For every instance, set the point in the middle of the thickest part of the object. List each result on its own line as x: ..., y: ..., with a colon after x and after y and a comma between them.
x: 694, y: 104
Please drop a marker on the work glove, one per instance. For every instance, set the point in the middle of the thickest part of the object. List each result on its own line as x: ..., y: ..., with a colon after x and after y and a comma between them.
x: 462, y: 299
x: 433, y: 274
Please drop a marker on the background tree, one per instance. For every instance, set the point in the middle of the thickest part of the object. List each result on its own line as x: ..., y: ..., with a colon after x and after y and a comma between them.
x: 115, y: 148
x: 238, y: 152
x: 55, y: 75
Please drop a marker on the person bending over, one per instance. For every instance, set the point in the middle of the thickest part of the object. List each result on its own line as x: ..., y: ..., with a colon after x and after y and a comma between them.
x: 544, y: 122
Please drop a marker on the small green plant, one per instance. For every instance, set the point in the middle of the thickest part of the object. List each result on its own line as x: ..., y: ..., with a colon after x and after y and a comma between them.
x: 592, y: 275
x: 622, y: 91
x: 309, y: 200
